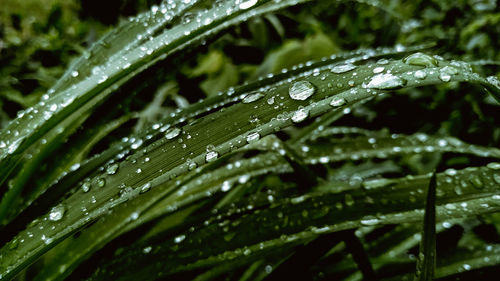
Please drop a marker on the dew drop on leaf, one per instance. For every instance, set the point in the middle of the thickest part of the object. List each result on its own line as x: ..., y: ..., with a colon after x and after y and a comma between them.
x: 386, y: 81
x: 101, y: 182
x: 336, y: 102
x: 300, y: 115
x: 211, y: 156
x: 369, y: 220
x: 494, y: 165
x: 172, y: 133
x: 378, y: 69
x: 252, y: 97
x: 86, y: 186
x: 57, y: 213
x: 246, y: 4
x: 343, y: 68
x: 111, y: 170
x: 446, y: 72
x: 301, y: 90
x: 420, y: 74
x: 179, y: 238
x: 420, y: 59
x: 253, y: 137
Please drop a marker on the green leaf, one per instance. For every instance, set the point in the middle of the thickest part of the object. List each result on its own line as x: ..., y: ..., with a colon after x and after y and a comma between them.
x: 427, y: 257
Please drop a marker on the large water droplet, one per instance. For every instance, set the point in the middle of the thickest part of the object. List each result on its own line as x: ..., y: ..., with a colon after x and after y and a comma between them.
x: 57, y: 213
x: 420, y: 59
x: 343, y: 68
x: 386, y: 81
x: 301, y: 90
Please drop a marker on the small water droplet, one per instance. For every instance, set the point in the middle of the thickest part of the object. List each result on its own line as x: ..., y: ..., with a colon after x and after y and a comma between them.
x: 300, y: 115
x: 101, y: 182
x: 420, y: 74
x: 446, y: 73
x: 253, y: 137
x: 252, y: 97
x: 494, y: 165
x: 147, y: 250
x: 111, y: 170
x: 301, y: 90
x: 211, y: 156
x: 179, y: 238
x: 247, y: 4
x: 369, y: 220
x: 378, y: 69
x: 226, y: 186
x: 57, y: 212
x: 343, y: 68
x: 172, y: 133
x: 386, y: 81
x: 420, y: 59
x: 74, y: 73
x: 336, y: 102
x: 86, y: 186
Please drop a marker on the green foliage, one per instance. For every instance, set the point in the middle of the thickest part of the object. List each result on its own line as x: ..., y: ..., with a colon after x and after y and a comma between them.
x: 250, y: 140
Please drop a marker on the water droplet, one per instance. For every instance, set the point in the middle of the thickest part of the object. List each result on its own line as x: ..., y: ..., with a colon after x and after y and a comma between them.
x: 336, y: 102
x: 494, y: 165
x: 420, y: 74
x: 74, y: 73
x: 253, y: 137
x: 111, y: 170
x: 247, y: 4
x: 270, y: 100
x: 147, y: 250
x: 378, y: 69
x: 211, y: 156
x: 446, y: 72
x: 343, y: 68
x: 301, y: 90
x: 300, y: 115
x: 86, y: 186
x: 226, y: 186
x: 369, y: 220
x: 179, y: 238
x: 386, y: 81
x: 57, y: 213
x: 101, y: 182
x: 252, y: 97
x: 420, y: 59
x: 172, y: 133
x: 450, y: 172
x: 494, y: 81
